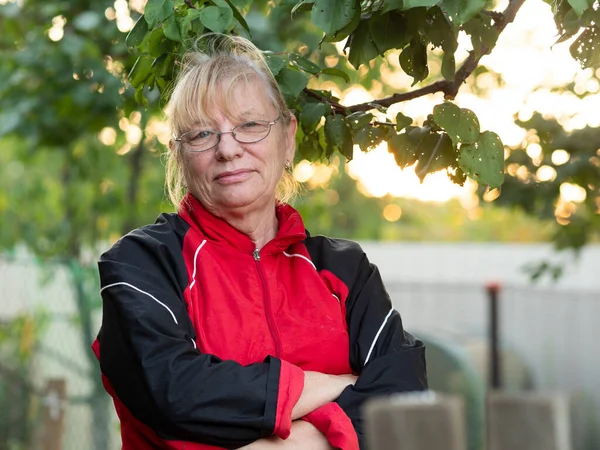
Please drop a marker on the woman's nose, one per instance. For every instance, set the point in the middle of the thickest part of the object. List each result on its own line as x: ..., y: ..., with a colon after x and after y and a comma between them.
x: 227, y: 147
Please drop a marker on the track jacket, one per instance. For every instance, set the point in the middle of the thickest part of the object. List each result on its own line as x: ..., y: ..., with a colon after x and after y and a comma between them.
x: 204, y: 338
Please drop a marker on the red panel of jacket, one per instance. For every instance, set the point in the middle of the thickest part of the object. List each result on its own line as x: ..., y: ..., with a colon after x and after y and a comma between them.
x: 246, y: 305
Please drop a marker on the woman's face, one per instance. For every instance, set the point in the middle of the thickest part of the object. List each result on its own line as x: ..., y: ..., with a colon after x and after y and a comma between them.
x: 235, y: 177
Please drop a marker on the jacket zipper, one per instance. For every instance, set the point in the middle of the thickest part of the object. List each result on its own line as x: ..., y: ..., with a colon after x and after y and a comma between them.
x: 268, y: 308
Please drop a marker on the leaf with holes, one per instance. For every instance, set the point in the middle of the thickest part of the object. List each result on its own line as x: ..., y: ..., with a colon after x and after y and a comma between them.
x: 333, y: 15
x: 483, y: 161
x: 338, y: 136
x: 359, y: 119
x: 368, y: 137
x: 460, y: 11
x: 413, y: 60
x: 460, y: 123
x: 586, y: 48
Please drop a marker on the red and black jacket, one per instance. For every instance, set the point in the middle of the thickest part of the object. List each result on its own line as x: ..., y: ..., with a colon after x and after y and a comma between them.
x: 204, y: 339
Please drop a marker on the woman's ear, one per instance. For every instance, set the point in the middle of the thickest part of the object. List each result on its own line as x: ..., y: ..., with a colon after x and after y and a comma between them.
x: 291, y: 139
x: 171, y: 145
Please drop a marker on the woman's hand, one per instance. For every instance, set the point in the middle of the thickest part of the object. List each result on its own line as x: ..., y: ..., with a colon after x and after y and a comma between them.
x: 320, y: 389
x: 303, y: 436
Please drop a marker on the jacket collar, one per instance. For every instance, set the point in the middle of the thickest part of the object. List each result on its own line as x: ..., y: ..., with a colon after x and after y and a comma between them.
x: 218, y: 231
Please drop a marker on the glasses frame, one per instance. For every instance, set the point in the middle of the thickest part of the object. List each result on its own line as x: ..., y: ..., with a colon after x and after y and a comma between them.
x: 232, y: 132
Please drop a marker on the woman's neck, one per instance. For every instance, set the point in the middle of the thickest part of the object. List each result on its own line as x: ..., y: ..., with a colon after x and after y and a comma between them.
x: 260, y: 226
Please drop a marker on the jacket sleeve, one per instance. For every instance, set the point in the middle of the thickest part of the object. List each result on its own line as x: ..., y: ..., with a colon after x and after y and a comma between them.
x: 387, y: 358
x: 149, y: 355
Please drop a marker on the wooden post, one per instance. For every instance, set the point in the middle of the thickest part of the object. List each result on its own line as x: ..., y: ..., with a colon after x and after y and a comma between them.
x: 416, y: 421
x: 528, y: 421
x: 54, y: 414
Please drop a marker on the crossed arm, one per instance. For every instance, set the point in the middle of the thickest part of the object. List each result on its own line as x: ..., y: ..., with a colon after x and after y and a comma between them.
x: 319, y: 389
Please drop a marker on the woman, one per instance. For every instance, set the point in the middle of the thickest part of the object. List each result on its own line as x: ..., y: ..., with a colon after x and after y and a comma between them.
x: 226, y: 325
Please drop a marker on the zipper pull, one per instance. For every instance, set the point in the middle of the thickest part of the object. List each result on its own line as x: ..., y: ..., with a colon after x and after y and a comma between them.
x: 256, y: 254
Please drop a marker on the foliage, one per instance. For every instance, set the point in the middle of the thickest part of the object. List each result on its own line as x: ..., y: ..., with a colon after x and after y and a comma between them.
x: 369, y: 29
x: 575, y: 209
x: 337, y: 207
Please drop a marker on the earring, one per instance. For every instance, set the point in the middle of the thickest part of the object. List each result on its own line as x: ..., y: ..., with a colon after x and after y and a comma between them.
x: 287, y: 166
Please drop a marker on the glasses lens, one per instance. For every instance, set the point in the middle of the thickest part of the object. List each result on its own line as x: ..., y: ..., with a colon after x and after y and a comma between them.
x: 199, y: 140
x: 252, y: 131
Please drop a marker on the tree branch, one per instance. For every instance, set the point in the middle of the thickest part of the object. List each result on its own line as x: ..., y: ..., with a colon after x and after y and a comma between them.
x: 450, y: 88
x: 190, y: 4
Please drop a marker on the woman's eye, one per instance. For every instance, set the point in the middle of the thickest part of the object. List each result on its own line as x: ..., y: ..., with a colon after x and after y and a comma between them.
x: 249, y: 125
x: 200, y: 135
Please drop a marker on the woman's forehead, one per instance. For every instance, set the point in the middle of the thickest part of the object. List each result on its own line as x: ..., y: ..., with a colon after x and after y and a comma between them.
x: 243, y: 100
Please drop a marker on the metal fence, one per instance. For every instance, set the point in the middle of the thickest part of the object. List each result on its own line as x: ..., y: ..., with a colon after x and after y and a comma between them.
x: 550, y: 337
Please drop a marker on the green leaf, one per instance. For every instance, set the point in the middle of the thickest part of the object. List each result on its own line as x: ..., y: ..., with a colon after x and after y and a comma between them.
x: 346, y: 31
x: 238, y: 16
x: 157, y: 44
x: 140, y: 98
x: 217, y: 18
x: 171, y: 29
x: 185, y: 24
x: 402, y: 150
x: 362, y: 47
x: 483, y: 161
x: 579, y: 6
x: 158, y: 10
x: 291, y: 81
x: 388, y: 31
x: 302, y: 6
x: 333, y: 15
x: 140, y: 71
x: 482, y: 32
x: 402, y: 121
x: 336, y: 73
x: 460, y: 123
x: 309, y: 148
x: 408, y: 4
x: 275, y: 63
x: 391, y: 5
x: 413, y: 60
x: 435, y: 152
x: 460, y: 11
x: 304, y: 63
x: 137, y: 33
x: 338, y: 136
x: 359, y: 119
x: 448, y: 66
x: 310, y: 116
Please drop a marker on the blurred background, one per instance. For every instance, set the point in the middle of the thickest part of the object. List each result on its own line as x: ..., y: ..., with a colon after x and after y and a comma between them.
x: 81, y: 164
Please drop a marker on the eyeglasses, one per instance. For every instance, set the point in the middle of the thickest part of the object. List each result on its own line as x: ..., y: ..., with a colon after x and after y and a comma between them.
x: 245, y: 133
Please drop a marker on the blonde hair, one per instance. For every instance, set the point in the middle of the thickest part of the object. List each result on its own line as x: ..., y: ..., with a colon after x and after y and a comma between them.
x: 210, y: 70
